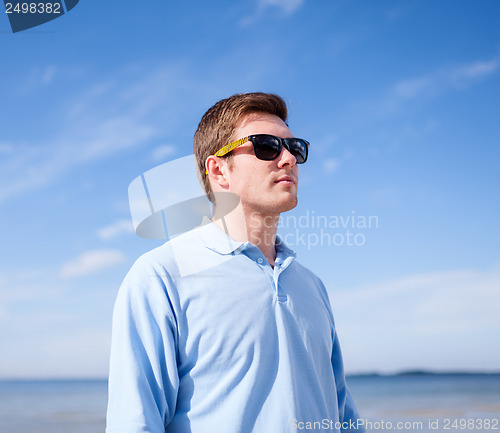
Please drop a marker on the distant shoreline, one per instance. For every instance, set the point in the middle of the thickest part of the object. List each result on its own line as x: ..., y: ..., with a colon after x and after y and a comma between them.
x: 403, y: 373
x: 426, y: 373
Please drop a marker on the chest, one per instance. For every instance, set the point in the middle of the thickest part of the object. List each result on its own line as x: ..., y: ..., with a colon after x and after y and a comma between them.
x: 229, y: 313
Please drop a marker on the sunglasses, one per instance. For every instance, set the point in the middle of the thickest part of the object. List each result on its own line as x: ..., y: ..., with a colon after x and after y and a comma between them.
x: 268, y: 147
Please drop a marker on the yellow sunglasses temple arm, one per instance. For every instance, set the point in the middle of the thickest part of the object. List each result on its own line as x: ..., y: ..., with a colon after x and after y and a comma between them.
x: 229, y: 147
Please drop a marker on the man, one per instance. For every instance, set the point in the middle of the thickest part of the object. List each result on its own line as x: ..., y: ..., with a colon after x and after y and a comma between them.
x: 221, y: 329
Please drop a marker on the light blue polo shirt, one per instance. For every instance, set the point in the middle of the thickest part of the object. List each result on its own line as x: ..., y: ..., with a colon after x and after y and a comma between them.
x: 208, y: 337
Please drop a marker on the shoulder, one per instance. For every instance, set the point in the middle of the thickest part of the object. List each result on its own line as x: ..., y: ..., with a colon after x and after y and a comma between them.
x: 150, y: 288
x: 312, y: 280
x: 167, y: 261
x: 305, y: 272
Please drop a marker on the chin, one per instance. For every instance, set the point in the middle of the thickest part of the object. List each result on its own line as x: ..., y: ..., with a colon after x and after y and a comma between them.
x: 272, y: 205
x: 286, y: 205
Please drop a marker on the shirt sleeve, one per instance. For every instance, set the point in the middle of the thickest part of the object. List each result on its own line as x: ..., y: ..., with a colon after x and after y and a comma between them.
x: 143, y: 376
x: 348, y: 413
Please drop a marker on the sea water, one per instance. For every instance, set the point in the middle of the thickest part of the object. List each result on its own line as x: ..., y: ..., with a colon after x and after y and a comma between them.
x: 69, y: 406
x: 429, y: 402
x: 419, y: 402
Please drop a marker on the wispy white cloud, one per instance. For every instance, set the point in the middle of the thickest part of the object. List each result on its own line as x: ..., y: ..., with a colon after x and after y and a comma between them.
x: 48, y: 74
x: 406, y: 92
x: 92, y: 262
x: 414, y: 91
x: 39, y: 316
x: 437, y: 296
x: 119, y: 227
x: 25, y: 286
x: 36, y: 79
x: 443, y: 79
x: 160, y: 153
x: 323, y: 144
x: 399, y: 11
x: 386, y: 197
x: 475, y: 70
x: 424, y: 319
x: 331, y: 165
x: 324, y: 148
x: 6, y: 148
x: 288, y: 6
x: 412, y: 87
x: 103, y: 120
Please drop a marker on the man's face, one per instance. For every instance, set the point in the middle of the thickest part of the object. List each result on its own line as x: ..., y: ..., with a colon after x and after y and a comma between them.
x: 267, y: 187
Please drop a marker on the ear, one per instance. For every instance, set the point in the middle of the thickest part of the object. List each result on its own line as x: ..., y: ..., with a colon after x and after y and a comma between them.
x: 217, y: 171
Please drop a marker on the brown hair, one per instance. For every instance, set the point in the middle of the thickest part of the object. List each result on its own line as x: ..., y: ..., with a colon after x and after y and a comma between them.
x: 218, y: 124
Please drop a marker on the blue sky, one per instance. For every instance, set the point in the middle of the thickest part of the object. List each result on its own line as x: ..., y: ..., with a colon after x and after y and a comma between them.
x: 399, y: 100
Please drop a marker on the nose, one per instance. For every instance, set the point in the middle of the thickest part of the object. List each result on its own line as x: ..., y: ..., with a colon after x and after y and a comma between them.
x: 286, y: 158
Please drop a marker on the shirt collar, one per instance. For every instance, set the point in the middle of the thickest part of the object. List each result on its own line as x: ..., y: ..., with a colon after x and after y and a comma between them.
x: 282, y: 249
x: 217, y: 240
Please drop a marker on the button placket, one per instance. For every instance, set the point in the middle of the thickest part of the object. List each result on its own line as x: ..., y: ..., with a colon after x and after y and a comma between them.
x: 259, y: 262
x: 279, y: 295
x: 273, y: 275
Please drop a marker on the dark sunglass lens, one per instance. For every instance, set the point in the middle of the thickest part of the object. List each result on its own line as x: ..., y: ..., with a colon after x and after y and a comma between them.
x: 298, y: 148
x: 266, y: 147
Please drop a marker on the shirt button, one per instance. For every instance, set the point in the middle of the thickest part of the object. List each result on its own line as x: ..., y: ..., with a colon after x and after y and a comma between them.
x: 260, y: 260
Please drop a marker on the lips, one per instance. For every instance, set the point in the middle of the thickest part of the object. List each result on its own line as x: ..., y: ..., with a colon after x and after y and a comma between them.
x: 286, y: 179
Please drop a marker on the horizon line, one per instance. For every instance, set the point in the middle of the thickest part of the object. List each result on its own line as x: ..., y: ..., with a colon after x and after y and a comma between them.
x: 406, y: 372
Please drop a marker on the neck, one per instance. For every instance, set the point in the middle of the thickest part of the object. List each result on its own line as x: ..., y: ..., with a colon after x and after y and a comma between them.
x: 253, y: 226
